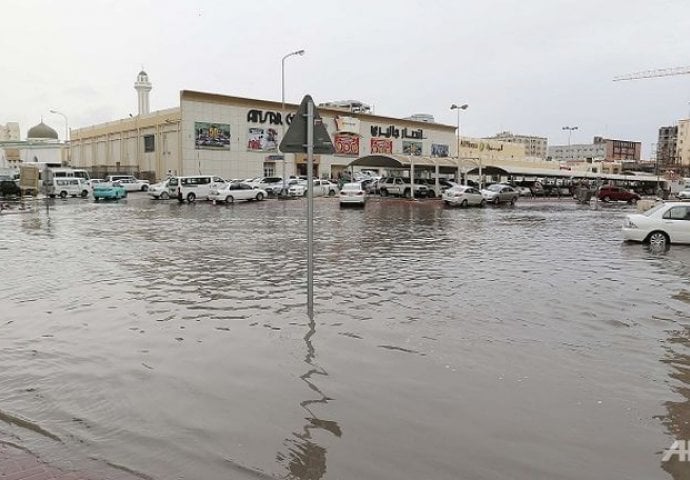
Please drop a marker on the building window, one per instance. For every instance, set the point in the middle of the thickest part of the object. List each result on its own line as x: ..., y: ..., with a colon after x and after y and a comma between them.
x: 149, y: 143
x: 269, y: 169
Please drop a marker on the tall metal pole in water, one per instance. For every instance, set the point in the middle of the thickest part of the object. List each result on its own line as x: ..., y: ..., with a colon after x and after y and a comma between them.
x: 458, y: 108
x: 283, y: 118
x: 310, y: 209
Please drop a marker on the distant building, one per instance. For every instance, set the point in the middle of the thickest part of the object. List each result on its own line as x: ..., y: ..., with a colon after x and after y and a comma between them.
x: 604, y: 149
x: 421, y: 117
x: 534, y: 146
x: 666, y: 146
x: 683, y: 145
x: 353, y: 106
x: 41, y: 145
x: 9, y: 132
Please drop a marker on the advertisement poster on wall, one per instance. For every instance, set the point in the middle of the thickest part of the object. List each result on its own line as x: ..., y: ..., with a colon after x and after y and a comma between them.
x: 262, y: 139
x: 438, y: 150
x: 212, y: 135
x: 412, y: 148
x: 381, y: 145
x: 346, y: 145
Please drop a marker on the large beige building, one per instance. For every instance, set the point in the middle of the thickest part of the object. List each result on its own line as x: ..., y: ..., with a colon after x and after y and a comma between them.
x: 535, y: 147
x: 236, y: 137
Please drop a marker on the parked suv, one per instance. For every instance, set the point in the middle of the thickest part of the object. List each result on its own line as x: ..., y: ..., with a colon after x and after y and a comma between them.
x: 612, y: 192
x: 401, y: 187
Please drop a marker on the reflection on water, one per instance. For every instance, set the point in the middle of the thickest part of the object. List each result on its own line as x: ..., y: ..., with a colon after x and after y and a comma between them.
x: 511, y: 342
x: 677, y: 419
x: 305, y: 459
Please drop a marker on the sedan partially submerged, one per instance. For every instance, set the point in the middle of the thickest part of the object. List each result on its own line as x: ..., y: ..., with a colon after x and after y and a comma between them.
x: 659, y: 226
x: 109, y: 191
x: 500, y: 193
x: 463, y: 196
x: 230, y: 192
x: 353, y: 194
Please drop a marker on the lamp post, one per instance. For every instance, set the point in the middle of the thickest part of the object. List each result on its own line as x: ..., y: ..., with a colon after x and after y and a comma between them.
x: 458, y: 108
x: 283, y: 118
x: 570, y: 132
x: 67, y: 142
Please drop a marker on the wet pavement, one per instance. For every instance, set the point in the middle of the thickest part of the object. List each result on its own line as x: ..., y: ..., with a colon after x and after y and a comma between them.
x: 171, y: 341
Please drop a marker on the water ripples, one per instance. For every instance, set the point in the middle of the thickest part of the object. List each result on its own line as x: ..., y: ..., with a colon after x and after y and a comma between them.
x: 172, y: 339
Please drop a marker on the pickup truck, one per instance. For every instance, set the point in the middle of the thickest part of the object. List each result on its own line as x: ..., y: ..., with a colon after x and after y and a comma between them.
x: 401, y: 187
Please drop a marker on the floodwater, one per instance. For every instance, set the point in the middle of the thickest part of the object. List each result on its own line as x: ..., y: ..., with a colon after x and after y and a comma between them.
x: 499, y: 343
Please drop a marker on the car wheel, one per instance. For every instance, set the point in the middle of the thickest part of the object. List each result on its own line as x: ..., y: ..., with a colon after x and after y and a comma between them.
x: 606, y: 199
x: 407, y: 193
x: 52, y: 195
x: 495, y: 201
x: 384, y: 192
x: 164, y: 196
x: 632, y: 201
x: 464, y: 204
x: 84, y: 193
x: 191, y: 198
x: 144, y: 188
x: 331, y: 193
x: 95, y: 199
x: 513, y: 200
x: 482, y: 203
x: 229, y: 199
x: 658, y: 240
x: 259, y: 196
x: 446, y: 202
x: 63, y: 194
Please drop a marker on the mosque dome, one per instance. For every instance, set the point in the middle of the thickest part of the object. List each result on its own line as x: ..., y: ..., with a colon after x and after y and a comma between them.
x: 42, y: 131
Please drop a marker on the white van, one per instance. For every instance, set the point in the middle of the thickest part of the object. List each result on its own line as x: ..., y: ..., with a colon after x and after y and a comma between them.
x: 64, y: 187
x: 195, y: 187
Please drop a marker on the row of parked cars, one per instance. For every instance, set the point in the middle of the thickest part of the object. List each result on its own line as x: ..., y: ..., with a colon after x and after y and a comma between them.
x: 211, y: 187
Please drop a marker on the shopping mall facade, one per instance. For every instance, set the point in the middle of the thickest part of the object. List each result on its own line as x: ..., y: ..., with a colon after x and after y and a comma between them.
x: 236, y: 137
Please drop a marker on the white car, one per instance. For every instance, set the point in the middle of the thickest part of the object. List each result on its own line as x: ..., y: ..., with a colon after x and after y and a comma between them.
x: 162, y: 190
x: 499, y: 193
x: 230, y: 192
x: 322, y: 188
x: 129, y: 183
x: 353, y: 194
x: 463, y: 196
x: 684, y: 194
x: 663, y: 224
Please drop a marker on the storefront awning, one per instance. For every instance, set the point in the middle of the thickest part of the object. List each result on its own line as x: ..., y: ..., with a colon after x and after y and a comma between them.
x: 401, y: 161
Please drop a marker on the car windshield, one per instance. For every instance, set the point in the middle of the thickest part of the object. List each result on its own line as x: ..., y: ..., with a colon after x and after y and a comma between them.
x: 352, y: 186
x: 495, y: 187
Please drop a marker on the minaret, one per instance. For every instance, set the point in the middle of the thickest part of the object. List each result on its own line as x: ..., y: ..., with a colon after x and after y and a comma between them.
x: 143, y: 87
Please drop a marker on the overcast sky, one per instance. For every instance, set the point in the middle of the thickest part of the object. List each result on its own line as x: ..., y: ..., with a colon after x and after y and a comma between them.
x: 530, y: 66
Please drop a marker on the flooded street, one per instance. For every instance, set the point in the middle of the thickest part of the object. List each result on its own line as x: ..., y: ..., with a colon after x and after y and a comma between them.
x: 499, y: 343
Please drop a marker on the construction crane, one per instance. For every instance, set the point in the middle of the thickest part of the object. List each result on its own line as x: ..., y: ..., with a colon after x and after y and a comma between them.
x: 662, y: 72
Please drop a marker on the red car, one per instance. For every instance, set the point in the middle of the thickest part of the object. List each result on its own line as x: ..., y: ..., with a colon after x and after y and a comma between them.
x: 611, y: 192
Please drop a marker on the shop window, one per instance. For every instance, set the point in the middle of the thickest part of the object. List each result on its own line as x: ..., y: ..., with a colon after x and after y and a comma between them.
x: 149, y: 143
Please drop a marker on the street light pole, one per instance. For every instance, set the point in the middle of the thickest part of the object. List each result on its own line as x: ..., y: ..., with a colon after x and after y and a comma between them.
x: 283, y: 118
x: 458, y: 108
x: 570, y: 132
x: 67, y: 141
